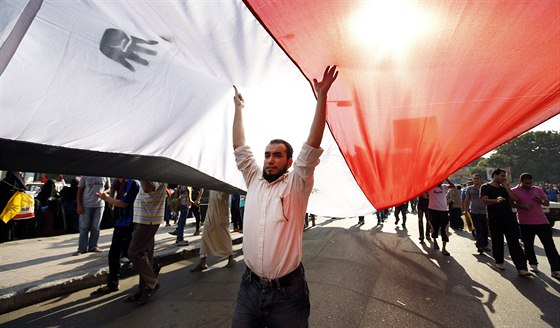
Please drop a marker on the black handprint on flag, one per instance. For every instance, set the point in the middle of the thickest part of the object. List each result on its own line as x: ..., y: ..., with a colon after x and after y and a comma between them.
x: 118, y: 46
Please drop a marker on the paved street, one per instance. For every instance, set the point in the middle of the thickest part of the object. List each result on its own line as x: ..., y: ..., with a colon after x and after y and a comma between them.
x: 358, y: 277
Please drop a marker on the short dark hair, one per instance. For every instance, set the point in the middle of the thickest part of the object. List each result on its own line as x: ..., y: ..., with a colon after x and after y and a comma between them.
x: 289, y: 149
x: 498, y: 172
x: 525, y: 176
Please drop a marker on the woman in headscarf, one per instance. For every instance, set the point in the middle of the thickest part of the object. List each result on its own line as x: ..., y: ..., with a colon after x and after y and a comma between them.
x: 52, y: 219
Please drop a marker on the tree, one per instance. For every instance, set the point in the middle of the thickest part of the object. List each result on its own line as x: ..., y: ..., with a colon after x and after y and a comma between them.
x: 535, y: 152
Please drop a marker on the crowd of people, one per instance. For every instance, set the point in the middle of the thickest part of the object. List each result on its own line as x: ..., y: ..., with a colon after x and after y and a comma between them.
x: 492, y: 211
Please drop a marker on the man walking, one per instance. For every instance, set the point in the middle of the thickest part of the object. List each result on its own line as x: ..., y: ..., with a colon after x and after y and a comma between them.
x: 423, y: 203
x: 122, y: 233
x: 439, y: 216
x: 401, y: 209
x: 273, y: 290
x: 194, y: 210
x: 90, y: 208
x: 497, y: 196
x: 533, y: 222
x: 149, y: 210
x: 477, y: 210
x: 185, y: 198
x: 216, y: 239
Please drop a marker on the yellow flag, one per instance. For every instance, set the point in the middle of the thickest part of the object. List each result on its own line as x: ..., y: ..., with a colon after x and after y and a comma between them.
x: 19, y: 202
x: 468, y: 218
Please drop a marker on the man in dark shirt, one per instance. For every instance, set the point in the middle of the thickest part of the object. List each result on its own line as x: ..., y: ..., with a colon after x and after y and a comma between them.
x: 497, y: 196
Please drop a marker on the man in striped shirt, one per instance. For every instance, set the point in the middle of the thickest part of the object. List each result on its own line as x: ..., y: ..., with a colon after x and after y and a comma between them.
x: 149, y: 209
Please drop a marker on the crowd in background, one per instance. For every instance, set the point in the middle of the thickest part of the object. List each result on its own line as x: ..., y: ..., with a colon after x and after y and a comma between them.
x: 56, y: 209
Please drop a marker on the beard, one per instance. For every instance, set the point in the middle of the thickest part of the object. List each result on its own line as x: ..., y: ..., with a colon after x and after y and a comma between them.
x: 273, y: 177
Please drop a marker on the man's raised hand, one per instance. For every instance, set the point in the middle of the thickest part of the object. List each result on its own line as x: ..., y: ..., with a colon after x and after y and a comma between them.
x: 238, y: 99
x: 329, y: 76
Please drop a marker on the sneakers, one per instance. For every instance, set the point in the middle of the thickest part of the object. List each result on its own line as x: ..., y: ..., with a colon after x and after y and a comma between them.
x: 173, y: 233
x: 78, y: 253
x: 534, y: 268
x: 555, y: 274
x: 95, y: 250
x: 523, y: 273
x: 182, y: 243
x: 499, y: 266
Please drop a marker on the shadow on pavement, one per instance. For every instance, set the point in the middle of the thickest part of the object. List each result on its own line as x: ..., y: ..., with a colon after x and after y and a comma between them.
x: 357, y: 278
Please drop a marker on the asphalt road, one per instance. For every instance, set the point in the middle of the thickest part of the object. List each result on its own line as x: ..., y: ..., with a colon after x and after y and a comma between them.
x: 358, y: 277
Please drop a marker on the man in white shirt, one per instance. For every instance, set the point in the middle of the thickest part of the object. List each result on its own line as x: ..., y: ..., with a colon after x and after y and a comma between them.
x: 439, y: 214
x: 273, y: 289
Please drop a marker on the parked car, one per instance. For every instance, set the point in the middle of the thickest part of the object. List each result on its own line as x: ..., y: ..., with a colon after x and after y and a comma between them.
x: 552, y: 212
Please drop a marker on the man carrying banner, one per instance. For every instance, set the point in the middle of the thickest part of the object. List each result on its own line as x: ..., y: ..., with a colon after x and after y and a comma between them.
x: 273, y: 289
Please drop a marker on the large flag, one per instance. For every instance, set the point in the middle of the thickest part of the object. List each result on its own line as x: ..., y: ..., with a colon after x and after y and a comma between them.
x: 144, y: 89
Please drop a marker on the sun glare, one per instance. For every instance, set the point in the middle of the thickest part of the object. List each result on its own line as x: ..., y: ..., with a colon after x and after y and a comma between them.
x: 389, y: 27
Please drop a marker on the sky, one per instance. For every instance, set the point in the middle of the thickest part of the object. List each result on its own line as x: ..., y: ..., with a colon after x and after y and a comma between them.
x: 551, y: 124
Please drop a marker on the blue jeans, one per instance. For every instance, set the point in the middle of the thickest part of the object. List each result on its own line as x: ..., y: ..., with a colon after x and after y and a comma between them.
x: 181, y: 224
x: 89, y: 222
x: 285, y: 306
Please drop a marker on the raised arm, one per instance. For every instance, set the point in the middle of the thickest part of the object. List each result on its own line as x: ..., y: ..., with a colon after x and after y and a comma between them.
x: 511, y: 195
x: 319, y: 120
x: 238, y: 129
x: 451, y: 184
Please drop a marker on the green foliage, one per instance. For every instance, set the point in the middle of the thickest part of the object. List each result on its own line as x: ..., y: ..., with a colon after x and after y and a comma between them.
x: 535, y: 152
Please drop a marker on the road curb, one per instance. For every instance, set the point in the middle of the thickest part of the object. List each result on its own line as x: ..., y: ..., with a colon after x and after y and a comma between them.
x: 44, y: 291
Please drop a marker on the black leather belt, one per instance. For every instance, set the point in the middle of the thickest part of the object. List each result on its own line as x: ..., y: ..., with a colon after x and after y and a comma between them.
x: 280, y: 282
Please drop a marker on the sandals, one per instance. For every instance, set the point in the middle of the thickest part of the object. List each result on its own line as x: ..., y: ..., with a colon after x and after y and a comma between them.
x: 104, y: 290
x: 199, y: 268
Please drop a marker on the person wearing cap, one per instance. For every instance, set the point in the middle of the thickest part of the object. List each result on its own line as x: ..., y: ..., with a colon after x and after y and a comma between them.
x: 273, y: 290
x: 149, y: 210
